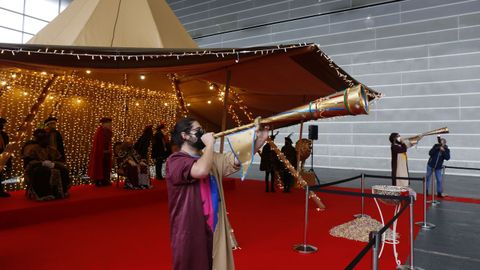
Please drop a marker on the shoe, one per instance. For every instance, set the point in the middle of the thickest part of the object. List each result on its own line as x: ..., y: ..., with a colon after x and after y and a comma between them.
x: 440, y: 195
x: 4, y: 194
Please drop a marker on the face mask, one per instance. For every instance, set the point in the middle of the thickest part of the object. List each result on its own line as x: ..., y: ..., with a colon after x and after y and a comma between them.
x: 198, y: 144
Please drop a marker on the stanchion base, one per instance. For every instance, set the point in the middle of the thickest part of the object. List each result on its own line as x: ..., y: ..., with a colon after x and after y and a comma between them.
x: 360, y: 216
x: 434, y: 203
x: 408, y: 267
x: 426, y: 225
x: 305, y: 249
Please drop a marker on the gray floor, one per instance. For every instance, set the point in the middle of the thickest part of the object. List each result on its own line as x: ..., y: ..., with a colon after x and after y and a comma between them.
x: 454, y: 185
x: 454, y: 243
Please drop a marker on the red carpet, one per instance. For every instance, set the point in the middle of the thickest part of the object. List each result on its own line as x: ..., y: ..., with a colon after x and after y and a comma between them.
x: 111, y: 228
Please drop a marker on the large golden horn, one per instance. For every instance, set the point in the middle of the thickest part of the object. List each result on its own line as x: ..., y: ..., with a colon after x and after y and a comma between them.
x: 436, y: 131
x: 416, y: 138
x: 351, y: 101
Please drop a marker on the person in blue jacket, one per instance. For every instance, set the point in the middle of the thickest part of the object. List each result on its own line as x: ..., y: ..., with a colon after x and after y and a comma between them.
x: 438, y: 154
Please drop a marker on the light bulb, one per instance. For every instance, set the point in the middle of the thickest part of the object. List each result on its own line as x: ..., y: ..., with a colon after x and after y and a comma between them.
x: 209, y: 102
x: 142, y: 77
x: 88, y: 71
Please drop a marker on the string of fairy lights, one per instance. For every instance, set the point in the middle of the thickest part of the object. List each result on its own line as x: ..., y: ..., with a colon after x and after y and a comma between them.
x: 237, y: 53
x: 78, y: 103
x: 178, y: 94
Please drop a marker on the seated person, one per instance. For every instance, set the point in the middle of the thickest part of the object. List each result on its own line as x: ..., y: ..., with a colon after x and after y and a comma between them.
x: 134, y: 168
x: 47, y: 178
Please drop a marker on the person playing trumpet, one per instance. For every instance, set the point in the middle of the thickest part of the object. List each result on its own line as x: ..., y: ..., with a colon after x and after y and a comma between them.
x: 199, y: 227
x: 399, y: 148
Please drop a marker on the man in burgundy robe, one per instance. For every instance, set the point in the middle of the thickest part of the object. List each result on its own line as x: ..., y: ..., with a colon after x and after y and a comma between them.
x: 199, y: 227
x: 100, y: 164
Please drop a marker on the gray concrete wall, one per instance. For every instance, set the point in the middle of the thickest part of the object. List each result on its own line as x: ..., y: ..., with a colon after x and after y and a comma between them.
x: 424, y: 55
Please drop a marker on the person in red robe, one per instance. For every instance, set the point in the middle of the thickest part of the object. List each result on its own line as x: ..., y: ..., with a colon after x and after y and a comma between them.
x: 199, y: 227
x: 100, y: 164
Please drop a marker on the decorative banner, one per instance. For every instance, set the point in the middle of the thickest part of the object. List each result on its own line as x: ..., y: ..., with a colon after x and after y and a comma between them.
x: 242, y: 145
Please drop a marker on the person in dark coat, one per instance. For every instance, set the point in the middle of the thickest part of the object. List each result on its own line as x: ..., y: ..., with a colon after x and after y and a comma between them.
x: 143, y: 143
x: 4, y: 140
x: 291, y: 154
x: 160, y: 150
x: 267, y: 160
x: 56, y: 139
x: 438, y: 154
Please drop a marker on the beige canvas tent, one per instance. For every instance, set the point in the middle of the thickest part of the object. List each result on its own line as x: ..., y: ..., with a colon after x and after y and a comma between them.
x: 124, y: 72
x: 116, y: 23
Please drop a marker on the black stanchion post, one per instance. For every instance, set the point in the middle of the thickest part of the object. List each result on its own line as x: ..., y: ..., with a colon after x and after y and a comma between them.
x: 424, y: 224
x: 411, y: 266
x: 375, y: 249
x: 305, y: 248
x: 433, y: 190
x: 443, y: 176
x: 362, y: 187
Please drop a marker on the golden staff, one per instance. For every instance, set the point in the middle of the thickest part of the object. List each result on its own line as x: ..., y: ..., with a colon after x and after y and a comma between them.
x: 296, y: 174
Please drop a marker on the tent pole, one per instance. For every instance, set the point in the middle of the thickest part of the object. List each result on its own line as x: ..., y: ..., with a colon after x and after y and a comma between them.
x: 225, y: 105
x: 176, y: 87
x: 125, y: 119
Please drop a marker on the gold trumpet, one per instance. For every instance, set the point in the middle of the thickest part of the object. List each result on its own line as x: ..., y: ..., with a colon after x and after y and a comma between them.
x: 414, y: 140
x: 351, y: 101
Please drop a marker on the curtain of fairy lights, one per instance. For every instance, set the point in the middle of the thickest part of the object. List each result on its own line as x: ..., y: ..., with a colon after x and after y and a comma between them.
x: 79, y: 103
